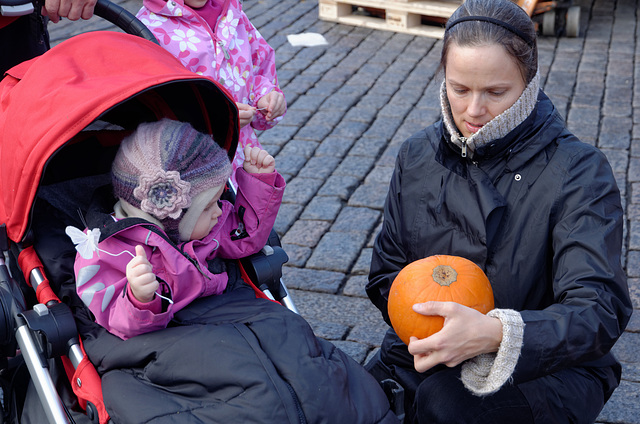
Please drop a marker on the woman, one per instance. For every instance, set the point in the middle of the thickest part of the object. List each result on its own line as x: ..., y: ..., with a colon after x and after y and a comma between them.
x: 502, y: 182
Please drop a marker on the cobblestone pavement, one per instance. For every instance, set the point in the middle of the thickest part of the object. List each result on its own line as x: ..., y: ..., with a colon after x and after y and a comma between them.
x: 354, y: 101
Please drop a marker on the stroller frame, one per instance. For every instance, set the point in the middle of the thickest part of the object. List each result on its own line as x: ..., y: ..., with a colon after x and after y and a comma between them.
x: 31, y: 349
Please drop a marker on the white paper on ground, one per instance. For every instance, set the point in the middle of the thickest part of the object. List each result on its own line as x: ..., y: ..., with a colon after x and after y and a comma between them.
x: 306, y: 39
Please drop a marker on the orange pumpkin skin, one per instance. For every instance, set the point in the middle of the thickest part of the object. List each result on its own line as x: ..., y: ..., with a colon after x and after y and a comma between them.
x: 441, y: 278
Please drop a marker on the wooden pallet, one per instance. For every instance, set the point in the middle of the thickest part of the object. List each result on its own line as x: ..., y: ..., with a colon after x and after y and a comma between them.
x: 412, y: 17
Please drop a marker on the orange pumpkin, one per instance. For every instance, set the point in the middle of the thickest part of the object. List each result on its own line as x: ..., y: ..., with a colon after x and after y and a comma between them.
x: 442, y: 278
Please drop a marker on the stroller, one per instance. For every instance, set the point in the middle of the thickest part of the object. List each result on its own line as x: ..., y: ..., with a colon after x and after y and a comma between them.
x: 62, y: 116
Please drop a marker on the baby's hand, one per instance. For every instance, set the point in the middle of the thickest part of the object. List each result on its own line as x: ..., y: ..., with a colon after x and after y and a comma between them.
x: 272, y: 105
x: 258, y: 161
x: 246, y: 114
x: 142, y: 280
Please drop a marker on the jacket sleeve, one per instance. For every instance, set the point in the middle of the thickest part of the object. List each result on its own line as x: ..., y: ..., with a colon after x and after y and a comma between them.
x: 591, y: 305
x: 256, y: 207
x: 265, y: 78
x: 102, y: 285
x: 389, y: 254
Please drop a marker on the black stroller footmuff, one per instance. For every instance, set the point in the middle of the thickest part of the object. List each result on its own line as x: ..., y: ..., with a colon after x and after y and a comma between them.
x: 234, y: 358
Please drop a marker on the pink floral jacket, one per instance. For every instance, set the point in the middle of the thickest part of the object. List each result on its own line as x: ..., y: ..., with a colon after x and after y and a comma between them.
x: 182, y: 270
x: 233, y: 53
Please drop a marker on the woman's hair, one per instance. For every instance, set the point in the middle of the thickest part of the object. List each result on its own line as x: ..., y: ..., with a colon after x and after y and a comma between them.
x: 508, y: 25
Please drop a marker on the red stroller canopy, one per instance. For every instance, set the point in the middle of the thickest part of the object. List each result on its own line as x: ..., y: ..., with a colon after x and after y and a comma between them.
x: 48, y: 100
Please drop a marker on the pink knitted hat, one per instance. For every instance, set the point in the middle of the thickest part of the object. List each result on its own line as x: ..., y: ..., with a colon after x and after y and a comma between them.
x: 163, y: 166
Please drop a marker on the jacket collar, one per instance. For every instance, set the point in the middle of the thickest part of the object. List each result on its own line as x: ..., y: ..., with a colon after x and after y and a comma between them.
x: 542, y: 127
x: 498, y: 128
x: 177, y: 8
x: 163, y: 7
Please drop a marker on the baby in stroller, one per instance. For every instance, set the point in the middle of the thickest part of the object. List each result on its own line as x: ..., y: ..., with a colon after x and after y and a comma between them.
x: 226, y: 354
x: 169, y: 219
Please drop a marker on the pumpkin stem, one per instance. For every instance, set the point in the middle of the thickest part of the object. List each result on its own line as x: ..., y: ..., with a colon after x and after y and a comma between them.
x: 444, y: 275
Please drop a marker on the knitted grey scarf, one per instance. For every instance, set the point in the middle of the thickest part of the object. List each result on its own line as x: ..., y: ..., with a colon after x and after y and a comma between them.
x: 499, y: 126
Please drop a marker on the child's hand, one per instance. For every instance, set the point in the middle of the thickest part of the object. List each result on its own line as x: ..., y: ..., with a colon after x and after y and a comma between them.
x: 142, y: 280
x: 272, y: 105
x: 258, y: 161
x: 246, y: 113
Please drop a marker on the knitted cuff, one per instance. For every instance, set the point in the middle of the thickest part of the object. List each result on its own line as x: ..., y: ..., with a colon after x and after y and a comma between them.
x: 486, y: 373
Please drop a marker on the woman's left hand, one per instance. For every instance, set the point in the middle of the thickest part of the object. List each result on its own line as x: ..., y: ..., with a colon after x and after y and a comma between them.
x: 272, y: 105
x: 466, y: 333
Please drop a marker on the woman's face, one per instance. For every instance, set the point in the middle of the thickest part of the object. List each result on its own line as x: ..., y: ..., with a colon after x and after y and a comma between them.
x: 482, y: 82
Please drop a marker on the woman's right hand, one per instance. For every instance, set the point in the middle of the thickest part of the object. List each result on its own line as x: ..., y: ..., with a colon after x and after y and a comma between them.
x: 142, y: 280
x: 246, y: 113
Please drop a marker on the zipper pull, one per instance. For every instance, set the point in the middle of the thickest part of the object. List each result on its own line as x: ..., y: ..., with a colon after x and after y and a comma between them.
x: 224, y: 50
x: 240, y: 232
x: 464, y: 146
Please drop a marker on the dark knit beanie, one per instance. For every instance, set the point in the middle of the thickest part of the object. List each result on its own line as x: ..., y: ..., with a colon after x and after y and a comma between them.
x: 163, y: 166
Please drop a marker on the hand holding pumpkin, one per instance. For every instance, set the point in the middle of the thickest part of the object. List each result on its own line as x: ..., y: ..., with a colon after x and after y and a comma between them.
x: 451, y: 326
x: 466, y: 333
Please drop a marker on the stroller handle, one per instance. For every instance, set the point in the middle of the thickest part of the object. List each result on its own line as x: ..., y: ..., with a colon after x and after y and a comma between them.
x: 122, y: 18
x: 105, y: 9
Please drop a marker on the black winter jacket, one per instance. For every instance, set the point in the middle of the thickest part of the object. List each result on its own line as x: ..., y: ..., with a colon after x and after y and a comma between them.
x: 540, y: 212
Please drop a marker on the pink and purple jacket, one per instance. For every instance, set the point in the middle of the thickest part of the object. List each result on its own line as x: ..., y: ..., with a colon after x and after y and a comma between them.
x: 181, y: 269
x: 233, y: 53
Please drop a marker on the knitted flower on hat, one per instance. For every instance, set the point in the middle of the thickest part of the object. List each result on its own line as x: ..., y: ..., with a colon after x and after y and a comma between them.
x: 163, y: 166
x: 163, y: 194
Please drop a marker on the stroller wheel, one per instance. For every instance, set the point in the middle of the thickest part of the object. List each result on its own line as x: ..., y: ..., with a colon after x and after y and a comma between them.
x: 573, y: 21
x: 549, y: 23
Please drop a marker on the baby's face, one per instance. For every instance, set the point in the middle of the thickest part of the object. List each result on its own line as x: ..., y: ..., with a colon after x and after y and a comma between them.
x: 208, y: 219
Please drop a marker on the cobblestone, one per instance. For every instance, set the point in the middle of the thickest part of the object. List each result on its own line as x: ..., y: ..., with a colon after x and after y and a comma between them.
x: 337, y: 251
x: 356, y: 220
x: 355, y: 284
x: 306, y: 233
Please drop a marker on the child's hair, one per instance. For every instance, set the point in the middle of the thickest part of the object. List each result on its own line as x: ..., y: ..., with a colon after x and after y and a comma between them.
x: 169, y: 171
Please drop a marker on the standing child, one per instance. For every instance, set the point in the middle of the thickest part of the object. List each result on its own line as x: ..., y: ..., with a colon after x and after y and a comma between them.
x: 154, y: 253
x: 216, y: 39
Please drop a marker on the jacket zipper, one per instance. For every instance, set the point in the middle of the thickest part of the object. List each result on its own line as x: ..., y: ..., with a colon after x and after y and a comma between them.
x: 463, y: 153
x: 157, y: 231
x: 296, y: 401
x: 224, y: 50
x: 212, y: 31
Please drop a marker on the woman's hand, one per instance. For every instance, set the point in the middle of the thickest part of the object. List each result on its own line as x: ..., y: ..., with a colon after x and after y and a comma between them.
x: 142, y: 280
x: 70, y: 9
x: 466, y: 333
x: 272, y: 105
x: 258, y: 161
x: 246, y: 113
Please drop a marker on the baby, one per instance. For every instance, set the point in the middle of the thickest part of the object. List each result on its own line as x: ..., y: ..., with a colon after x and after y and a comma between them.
x: 155, y: 249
